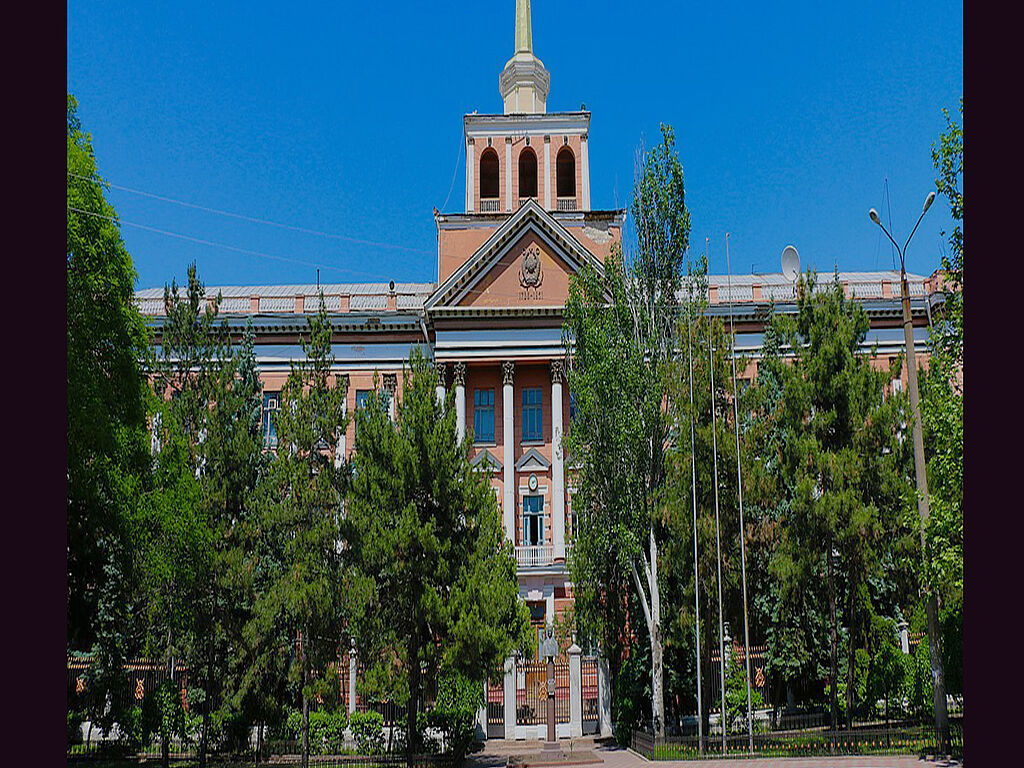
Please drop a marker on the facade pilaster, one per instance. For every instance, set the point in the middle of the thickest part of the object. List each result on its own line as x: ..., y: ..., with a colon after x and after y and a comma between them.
x: 557, y: 463
x: 391, y: 387
x: 508, y: 173
x: 460, y: 400
x: 341, y: 447
x: 470, y: 183
x: 547, y: 173
x: 510, y: 698
x: 508, y: 507
x: 442, y: 380
x: 585, y: 172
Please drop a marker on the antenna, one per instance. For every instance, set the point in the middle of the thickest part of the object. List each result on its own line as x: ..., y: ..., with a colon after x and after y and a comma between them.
x: 790, y: 263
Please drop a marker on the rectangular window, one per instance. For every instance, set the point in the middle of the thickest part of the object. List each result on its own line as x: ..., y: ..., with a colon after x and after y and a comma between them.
x: 362, y: 396
x: 483, y: 415
x: 533, y: 419
x: 271, y: 404
x: 533, y: 521
x: 572, y: 408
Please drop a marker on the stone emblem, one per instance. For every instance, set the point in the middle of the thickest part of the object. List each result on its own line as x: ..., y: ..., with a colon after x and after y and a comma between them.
x: 531, y: 276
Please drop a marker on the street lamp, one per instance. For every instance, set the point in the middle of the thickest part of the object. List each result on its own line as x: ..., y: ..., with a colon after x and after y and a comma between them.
x: 938, y: 678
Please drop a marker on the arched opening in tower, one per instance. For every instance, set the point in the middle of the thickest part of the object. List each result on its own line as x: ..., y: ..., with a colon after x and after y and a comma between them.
x: 527, y: 174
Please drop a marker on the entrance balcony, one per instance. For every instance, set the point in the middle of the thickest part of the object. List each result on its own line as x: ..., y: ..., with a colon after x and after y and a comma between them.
x: 489, y: 204
x: 534, y: 555
x: 566, y: 204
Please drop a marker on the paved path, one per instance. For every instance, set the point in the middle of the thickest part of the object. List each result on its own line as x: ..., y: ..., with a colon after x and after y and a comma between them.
x: 496, y: 753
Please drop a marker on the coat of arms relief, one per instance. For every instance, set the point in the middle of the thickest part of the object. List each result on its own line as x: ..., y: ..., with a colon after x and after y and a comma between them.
x: 531, y: 276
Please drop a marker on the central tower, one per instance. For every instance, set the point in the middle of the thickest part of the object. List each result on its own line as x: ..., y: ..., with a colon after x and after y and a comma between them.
x: 524, y: 82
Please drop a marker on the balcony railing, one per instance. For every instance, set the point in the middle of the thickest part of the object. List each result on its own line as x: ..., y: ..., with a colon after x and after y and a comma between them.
x: 533, y: 556
x: 489, y: 204
x: 567, y: 203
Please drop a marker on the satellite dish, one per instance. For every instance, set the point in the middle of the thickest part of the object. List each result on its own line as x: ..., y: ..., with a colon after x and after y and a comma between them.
x: 790, y: 263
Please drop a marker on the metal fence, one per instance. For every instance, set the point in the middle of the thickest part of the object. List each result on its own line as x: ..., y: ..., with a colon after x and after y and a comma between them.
x: 495, y: 710
x: 869, y: 739
x: 588, y: 674
x: 532, y: 696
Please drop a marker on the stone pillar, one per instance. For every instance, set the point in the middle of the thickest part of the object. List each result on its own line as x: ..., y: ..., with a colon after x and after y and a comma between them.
x: 352, y: 678
x: 904, y: 638
x: 470, y: 186
x: 481, y: 717
x: 391, y: 387
x: 508, y: 176
x: 341, y: 447
x: 510, y: 697
x: 557, y: 464
x: 442, y: 380
x: 508, y: 507
x: 604, y: 697
x: 547, y: 173
x: 460, y: 400
x: 575, y: 692
x: 585, y: 172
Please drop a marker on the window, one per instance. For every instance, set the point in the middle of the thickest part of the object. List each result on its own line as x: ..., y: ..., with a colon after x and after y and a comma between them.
x: 565, y: 173
x: 527, y: 173
x: 572, y: 408
x: 533, y: 521
x: 897, y: 385
x: 362, y: 397
x: 271, y: 404
x: 489, y: 174
x: 533, y: 420
x: 483, y: 415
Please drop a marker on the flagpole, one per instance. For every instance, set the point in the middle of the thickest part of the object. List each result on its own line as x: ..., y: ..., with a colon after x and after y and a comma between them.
x: 718, y: 535
x: 693, y: 493
x: 739, y: 486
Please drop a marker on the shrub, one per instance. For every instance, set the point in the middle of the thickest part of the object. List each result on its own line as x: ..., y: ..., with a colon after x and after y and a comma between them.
x: 327, y: 730
x: 75, y: 720
x: 368, y: 731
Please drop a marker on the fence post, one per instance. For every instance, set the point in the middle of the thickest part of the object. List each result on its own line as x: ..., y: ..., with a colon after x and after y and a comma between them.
x: 352, y: 678
x: 575, y: 692
x: 604, y: 697
x: 904, y: 639
x: 481, y: 716
x: 510, y: 698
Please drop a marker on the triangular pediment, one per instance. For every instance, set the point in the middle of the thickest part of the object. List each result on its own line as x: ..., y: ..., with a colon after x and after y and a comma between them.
x: 532, y: 461
x: 486, y: 461
x: 527, y: 262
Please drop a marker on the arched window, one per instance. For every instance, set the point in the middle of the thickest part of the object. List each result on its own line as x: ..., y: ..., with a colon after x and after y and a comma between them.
x: 527, y: 174
x: 489, y: 174
x: 565, y: 173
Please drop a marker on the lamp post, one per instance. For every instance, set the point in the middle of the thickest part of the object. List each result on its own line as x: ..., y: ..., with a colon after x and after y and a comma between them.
x: 938, y: 678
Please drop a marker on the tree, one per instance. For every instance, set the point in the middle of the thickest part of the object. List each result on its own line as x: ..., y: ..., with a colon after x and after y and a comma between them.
x: 843, y: 460
x: 300, y: 506
x: 620, y: 333
x: 107, y: 470
x: 436, y: 575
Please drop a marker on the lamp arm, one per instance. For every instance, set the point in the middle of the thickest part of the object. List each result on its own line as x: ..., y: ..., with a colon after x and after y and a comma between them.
x: 895, y: 244
x: 912, y: 234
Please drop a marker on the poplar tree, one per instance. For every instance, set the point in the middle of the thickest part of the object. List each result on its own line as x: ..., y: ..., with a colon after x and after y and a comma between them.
x: 620, y: 332
x: 300, y: 507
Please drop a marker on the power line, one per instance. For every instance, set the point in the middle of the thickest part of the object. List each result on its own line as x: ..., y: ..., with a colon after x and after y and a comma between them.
x: 256, y: 220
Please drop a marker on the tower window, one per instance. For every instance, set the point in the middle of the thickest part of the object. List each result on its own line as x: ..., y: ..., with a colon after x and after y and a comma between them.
x: 565, y: 173
x: 527, y: 173
x: 489, y: 174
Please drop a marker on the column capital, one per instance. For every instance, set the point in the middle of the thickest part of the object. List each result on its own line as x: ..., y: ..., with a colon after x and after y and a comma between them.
x: 390, y: 382
x: 442, y: 373
x: 460, y: 374
x: 557, y: 371
x: 341, y: 380
x: 508, y: 372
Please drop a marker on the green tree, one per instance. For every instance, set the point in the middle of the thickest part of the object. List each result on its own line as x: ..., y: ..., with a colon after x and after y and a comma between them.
x: 620, y: 333
x: 436, y: 575
x: 300, y: 507
x: 107, y: 469
x: 843, y: 458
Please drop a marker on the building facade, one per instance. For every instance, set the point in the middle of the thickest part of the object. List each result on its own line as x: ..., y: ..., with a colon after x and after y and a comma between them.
x: 492, y: 323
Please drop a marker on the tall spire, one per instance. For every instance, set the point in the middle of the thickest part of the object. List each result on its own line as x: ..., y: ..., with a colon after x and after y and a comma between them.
x: 524, y: 29
x: 524, y: 82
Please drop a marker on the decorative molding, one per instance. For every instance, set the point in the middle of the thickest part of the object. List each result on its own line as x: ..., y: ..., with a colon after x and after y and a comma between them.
x: 390, y: 382
x: 442, y: 373
x: 557, y: 371
x: 532, y: 461
x: 530, y: 273
x: 460, y: 374
x: 485, y: 460
x: 508, y: 373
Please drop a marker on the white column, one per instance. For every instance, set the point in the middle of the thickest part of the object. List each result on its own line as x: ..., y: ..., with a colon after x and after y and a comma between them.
x: 341, y: 447
x: 442, y: 376
x: 470, y: 162
x: 508, y: 507
x: 510, y: 697
x: 604, y: 697
x: 460, y: 400
x: 585, y: 172
x: 547, y: 173
x: 352, y: 678
x: 508, y: 174
x: 549, y: 604
x: 557, y: 464
x: 391, y: 387
x: 481, y: 717
x: 575, y: 692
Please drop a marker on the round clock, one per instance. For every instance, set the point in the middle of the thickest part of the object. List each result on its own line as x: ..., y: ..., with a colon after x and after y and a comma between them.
x: 533, y: 482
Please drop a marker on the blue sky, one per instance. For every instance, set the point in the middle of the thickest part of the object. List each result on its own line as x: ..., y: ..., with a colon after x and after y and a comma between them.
x: 346, y: 118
